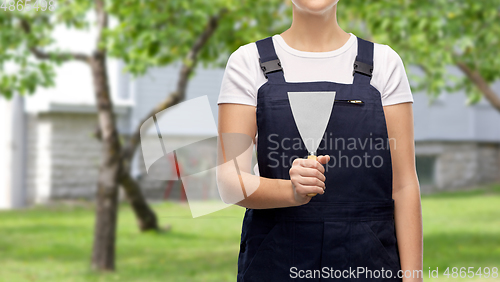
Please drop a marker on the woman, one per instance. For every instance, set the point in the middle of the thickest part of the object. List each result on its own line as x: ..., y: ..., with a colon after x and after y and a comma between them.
x: 365, y: 217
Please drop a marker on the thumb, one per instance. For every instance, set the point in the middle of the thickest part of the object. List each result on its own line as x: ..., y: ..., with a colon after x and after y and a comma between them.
x: 323, y: 159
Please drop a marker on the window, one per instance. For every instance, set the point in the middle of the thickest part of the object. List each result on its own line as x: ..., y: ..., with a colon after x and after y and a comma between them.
x: 425, y: 169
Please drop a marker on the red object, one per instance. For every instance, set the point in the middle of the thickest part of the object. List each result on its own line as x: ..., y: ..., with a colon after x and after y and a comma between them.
x: 170, y: 184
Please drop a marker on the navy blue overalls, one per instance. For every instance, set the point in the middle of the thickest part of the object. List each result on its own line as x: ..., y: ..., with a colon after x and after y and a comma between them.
x: 349, y: 227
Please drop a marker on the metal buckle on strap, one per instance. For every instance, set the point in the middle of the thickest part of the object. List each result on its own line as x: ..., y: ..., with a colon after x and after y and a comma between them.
x: 362, y: 68
x: 270, y: 66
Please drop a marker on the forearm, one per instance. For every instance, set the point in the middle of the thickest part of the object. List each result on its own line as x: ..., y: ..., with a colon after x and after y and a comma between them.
x: 255, y: 192
x: 237, y: 132
x: 408, y: 218
x: 271, y: 193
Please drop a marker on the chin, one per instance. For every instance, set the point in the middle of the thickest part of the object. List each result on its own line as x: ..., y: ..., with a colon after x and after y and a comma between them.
x: 315, y: 6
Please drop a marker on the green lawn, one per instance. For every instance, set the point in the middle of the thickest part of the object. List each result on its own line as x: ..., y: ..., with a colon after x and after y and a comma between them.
x: 53, y: 243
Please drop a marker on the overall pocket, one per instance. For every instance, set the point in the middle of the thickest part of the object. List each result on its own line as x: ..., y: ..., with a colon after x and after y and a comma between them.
x: 374, y: 248
x: 383, y: 250
x: 271, y: 259
x: 255, y: 233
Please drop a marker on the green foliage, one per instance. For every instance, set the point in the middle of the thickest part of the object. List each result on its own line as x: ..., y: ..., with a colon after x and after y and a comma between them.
x: 147, y: 33
x: 434, y: 34
x: 431, y: 34
x: 155, y: 33
x: 19, y: 70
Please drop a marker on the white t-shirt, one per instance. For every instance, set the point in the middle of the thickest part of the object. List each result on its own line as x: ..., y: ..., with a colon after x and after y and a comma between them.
x: 243, y: 75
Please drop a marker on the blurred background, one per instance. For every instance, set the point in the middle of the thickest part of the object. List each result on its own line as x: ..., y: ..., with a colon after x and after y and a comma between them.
x: 79, y: 78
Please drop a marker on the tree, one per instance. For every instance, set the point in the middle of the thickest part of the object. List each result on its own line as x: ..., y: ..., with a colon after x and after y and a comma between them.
x: 148, y: 33
x: 28, y: 35
x: 436, y: 34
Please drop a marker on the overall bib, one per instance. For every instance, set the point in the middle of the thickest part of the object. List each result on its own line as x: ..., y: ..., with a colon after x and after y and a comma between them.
x: 351, y: 226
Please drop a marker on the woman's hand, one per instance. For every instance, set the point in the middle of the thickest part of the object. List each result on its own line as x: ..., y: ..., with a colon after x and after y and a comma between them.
x: 307, y: 176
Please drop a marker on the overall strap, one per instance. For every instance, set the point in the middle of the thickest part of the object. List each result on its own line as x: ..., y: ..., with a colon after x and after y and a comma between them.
x: 363, y: 66
x: 269, y: 62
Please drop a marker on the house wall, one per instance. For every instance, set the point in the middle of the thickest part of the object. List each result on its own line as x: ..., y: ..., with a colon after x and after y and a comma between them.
x: 149, y: 90
x: 5, y: 153
x: 63, y: 156
x: 449, y: 118
x: 460, y: 164
x: 63, y: 160
x: 12, y: 153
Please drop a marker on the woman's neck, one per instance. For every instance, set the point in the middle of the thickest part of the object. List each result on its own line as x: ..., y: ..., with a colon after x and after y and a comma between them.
x: 315, y: 32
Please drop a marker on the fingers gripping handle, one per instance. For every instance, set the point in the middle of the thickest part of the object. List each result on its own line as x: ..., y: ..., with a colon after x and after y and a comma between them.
x: 312, y: 157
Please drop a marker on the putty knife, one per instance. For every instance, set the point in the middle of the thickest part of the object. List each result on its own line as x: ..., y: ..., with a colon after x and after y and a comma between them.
x: 311, y: 112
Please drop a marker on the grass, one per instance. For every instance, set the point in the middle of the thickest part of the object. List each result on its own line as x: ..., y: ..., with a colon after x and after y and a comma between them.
x: 54, y: 244
x: 461, y: 229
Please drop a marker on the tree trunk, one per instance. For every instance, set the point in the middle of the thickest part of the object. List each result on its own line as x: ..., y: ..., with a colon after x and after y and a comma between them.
x: 146, y: 218
x: 115, y: 169
x: 103, y: 253
x: 481, y: 84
